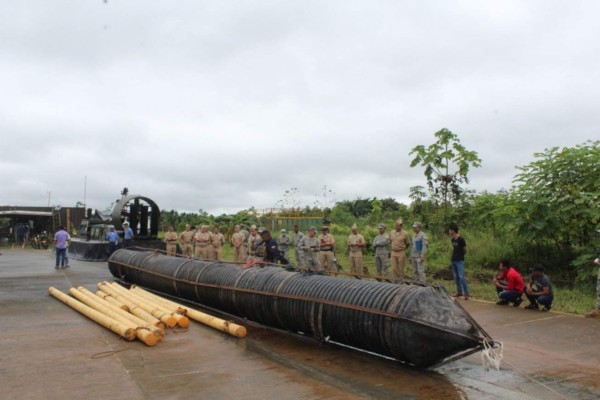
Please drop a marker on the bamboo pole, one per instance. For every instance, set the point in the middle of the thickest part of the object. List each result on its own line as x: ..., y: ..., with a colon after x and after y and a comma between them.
x: 107, y: 297
x: 163, y: 316
x: 133, y: 308
x: 132, y: 319
x: 168, y: 304
x: 144, y: 335
x: 148, y: 304
x: 213, y: 322
x: 120, y: 329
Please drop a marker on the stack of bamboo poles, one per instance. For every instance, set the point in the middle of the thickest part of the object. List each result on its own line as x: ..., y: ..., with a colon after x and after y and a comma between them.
x: 136, y: 313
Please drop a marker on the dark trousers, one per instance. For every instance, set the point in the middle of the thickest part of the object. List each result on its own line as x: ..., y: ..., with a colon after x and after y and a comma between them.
x: 61, y: 255
x: 112, y: 247
x: 543, y: 300
x: 127, y: 242
x: 511, y: 296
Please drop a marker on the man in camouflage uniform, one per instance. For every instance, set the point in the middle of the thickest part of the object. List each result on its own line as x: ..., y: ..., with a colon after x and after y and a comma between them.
x: 417, y: 254
x: 246, y: 236
x: 309, y: 245
x: 283, y: 241
x: 356, y: 242
x: 326, y: 244
x: 171, y: 241
x: 297, y: 237
x: 381, y: 245
x: 596, y: 313
x: 253, y: 242
x: 218, y: 240
x: 400, y: 241
x: 186, y: 239
x: 237, y: 241
x: 202, y: 239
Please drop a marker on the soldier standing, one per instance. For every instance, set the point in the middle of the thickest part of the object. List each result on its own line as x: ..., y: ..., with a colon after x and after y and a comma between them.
x: 356, y: 242
x: 186, y: 239
x: 309, y: 245
x: 400, y: 241
x: 283, y: 241
x: 326, y: 243
x: 171, y: 241
x: 246, y: 236
x: 237, y: 241
x: 417, y: 254
x: 203, y: 246
x: 297, y: 237
x: 253, y: 243
x: 381, y: 244
x: 218, y: 240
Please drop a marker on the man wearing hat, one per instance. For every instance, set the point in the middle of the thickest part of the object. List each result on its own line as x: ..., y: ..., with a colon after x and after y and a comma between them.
x: 400, y: 241
x: 539, y: 290
x: 326, y: 244
x: 309, y: 245
x: 417, y: 254
x: 381, y: 244
x: 283, y: 241
x: 356, y: 242
x: 127, y: 235
x: 253, y: 243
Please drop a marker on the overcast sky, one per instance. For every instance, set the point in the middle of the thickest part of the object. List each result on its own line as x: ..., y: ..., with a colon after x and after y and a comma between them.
x: 224, y: 105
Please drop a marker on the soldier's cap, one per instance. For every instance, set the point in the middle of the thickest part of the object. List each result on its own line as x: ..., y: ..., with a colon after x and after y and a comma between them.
x: 283, y: 231
x: 312, y: 229
x: 253, y: 227
x: 354, y: 226
x: 399, y: 221
x: 416, y: 224
x: 125, y: 223
x: 325, y: 228
x: 264, y: 232
x: 381, y: 225
x: 261, y: 229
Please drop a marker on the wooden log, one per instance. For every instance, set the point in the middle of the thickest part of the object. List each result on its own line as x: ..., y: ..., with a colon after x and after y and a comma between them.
x: 159, y: 327
x: 120, y: 329
x: 121, y: 293
x: 182, y: 320
x: 213, y: 322
x: 117, y: 313
x: 133, y: 308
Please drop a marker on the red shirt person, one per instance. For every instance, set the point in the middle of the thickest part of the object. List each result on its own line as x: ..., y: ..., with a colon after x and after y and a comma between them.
x: 509, y: 285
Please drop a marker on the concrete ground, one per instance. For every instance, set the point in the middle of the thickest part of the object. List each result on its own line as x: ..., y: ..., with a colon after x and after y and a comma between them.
x: 48, y: 351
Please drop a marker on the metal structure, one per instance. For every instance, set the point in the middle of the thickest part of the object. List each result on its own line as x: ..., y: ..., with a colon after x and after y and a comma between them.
x: 141, y: 212
x: 419, y: 325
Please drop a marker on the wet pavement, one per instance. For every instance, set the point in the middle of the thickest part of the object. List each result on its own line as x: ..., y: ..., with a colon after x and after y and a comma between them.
x: 48, y: 351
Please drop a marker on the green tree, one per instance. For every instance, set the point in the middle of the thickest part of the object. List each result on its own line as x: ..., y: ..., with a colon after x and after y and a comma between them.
x: 556, y: 198
x: 447, y: 163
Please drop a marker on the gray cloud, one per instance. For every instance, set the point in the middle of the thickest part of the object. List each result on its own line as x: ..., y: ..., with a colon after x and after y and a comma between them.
x: 225, y: 105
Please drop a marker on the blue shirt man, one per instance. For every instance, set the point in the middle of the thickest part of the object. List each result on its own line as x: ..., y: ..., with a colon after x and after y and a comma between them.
x: 113, y: 239
x: 127, y: 235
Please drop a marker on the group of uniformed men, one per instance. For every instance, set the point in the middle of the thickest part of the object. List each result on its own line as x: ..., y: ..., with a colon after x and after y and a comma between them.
x: 388, y: 247
x: 311, y: 252
x: 200, y: 243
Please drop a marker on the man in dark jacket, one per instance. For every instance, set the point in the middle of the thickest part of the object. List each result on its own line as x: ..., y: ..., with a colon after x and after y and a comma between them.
x: 271, y: 250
